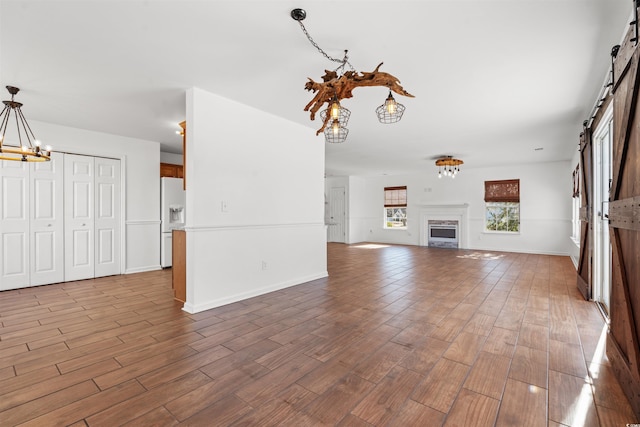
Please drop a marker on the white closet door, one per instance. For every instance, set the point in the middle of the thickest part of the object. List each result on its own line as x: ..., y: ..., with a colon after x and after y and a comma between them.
x: 79, y: 217
x: 107, y: 217
x: 14, y: 224
x: 47, y: 221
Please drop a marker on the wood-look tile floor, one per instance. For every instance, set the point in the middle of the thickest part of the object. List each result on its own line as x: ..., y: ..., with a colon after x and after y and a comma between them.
x: 397, y: 335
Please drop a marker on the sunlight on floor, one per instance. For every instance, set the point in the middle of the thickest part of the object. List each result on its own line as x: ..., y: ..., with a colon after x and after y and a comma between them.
x: 583, y: 403
x: 481, y: 255
x: 599, y: 354
x: 370, y: 246
x: 585, y: 400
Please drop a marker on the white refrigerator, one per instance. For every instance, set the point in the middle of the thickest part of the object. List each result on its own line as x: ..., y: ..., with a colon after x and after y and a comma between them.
x: 172, y: 199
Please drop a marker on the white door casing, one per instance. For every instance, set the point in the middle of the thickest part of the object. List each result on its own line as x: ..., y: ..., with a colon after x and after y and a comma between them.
x: 46, y: 221
x: 107, y: 217
x: 602, y: 178
x: 14, y: 224
x: 79, y: 224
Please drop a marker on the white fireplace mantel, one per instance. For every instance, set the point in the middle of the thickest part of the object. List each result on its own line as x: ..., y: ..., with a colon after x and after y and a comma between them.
x: 443, y: 212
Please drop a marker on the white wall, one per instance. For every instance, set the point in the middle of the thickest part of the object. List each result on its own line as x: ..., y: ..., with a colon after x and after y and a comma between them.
x: 140, y: 171
x: 171, y: 158
x: 357, y: 201
x: 545, y: 206
x: 254, y: 204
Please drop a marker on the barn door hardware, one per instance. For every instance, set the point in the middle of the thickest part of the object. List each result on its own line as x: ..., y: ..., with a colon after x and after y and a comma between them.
x: 614, y: 53
x: 636, y: 3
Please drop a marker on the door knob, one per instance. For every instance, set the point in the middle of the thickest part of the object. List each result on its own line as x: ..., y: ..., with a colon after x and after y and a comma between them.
x: 84, y: 225
x: 48, y: 225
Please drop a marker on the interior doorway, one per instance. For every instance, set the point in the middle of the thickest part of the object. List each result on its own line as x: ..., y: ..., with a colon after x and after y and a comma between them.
x: 337, y: 215
x: 602, y: 178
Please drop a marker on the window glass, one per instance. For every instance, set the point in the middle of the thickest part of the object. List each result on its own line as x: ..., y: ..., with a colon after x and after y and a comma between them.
x: 395, y: 217
x: 502, y: 216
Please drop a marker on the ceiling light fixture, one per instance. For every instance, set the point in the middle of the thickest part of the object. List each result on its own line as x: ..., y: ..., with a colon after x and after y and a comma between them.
x: 448, y: 166
x: 339, y: 83
x: 338, y: 118
x: 29, y: 150
x: 391, y: 111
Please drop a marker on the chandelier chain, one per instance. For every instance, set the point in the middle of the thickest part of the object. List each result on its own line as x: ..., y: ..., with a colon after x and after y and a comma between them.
x: 344, y: 61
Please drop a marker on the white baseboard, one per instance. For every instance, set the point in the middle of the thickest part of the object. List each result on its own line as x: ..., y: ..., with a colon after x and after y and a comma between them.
x: 143, y: 269
x: 192, y: 309
x: 520, y: 251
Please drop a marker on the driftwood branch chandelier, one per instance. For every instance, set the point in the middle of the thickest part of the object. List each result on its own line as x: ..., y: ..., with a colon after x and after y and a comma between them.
x: 27, y: 148
x: 339, y: 84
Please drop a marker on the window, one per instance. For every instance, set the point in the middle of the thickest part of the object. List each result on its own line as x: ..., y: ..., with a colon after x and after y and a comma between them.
x: 575, y: 232
x: 395, y: 207
x: 502, y: 205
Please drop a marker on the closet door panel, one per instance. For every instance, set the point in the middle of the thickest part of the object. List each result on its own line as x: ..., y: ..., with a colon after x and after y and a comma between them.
x: 14, y: 224
x: 79, y: 217
x: 47, y: 221
x: 107, y: 210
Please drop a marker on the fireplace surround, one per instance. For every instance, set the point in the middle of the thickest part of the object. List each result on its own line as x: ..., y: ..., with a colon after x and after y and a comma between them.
x: 458, y: 213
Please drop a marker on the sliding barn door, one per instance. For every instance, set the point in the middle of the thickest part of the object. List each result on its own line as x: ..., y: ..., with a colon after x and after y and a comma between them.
x: 586, y: 227
x: 624, y: 222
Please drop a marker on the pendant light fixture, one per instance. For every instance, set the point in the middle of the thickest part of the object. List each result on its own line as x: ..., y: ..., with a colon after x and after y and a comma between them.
x: 336, y: 112
x: 339, y: 84
x: 336, y: 133
x: 448, y: 166
x: 391, y: 111
x: 338, y: 118
x: 27, y: 148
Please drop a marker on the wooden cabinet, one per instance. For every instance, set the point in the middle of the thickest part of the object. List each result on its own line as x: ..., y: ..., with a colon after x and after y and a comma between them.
x: 179, y: 268
x: 171, y: 171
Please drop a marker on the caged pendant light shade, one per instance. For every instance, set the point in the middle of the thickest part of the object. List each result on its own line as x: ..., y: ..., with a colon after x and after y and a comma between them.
x: 339, y: 117
x: 336, y: 133
x: 336, y: 112
x: 391, y: 111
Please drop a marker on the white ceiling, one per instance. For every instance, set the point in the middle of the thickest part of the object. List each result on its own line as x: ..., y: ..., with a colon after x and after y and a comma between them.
x: 493, y: 79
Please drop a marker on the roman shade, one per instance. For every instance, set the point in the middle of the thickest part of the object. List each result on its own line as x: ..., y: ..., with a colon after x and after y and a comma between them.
x: 395, y: 197
x: 507, y: 190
